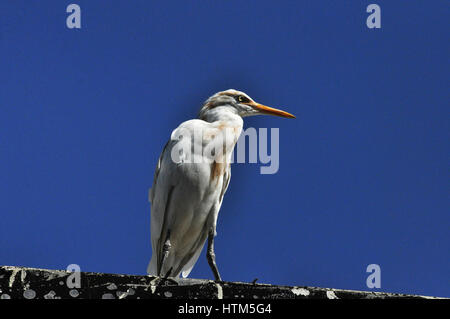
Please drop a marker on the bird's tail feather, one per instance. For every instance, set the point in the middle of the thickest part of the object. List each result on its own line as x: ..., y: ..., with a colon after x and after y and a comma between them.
x: 152, y: 268
x: 188, y: 268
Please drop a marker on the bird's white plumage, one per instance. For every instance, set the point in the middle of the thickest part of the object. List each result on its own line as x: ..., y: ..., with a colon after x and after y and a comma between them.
x: 196, y: 191
x: 189, y: 183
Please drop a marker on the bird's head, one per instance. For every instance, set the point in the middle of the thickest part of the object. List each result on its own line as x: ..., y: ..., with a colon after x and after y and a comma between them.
x: 239, y: 103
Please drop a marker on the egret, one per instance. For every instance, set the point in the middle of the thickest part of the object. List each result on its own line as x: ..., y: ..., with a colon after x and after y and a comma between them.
x: 189, y: 185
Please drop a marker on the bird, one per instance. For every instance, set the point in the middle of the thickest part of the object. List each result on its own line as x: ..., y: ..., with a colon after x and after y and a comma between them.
x: 189, y: 183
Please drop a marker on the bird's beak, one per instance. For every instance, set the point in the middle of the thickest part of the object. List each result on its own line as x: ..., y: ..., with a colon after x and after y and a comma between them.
x: 270, y: 110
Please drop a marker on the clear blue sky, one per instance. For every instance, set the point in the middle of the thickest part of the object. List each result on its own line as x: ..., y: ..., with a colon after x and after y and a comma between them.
x: 363, y: 175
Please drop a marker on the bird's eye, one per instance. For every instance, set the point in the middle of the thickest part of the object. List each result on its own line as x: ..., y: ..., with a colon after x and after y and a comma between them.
x: 242, y: 99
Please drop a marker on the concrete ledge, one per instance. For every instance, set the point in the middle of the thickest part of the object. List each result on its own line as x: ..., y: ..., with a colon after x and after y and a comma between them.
x: 32, y: 283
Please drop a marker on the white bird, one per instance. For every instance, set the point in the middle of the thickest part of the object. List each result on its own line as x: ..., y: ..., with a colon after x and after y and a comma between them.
x: 189, y: 183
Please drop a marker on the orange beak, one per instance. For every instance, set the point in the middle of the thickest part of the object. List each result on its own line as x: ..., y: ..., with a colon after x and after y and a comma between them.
x: 270, y: 110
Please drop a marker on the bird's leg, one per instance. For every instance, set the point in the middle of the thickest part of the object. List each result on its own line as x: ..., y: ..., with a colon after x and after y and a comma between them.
x: 165, y: 254
x: 211, y: 256
x: 168, y: 273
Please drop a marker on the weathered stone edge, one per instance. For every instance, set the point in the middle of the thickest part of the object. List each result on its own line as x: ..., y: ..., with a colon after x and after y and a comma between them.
x: 35, y: 283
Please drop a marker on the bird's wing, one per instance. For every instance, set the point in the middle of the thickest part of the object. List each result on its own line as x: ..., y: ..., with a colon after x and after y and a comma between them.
x: 158, y: 203
x: 151, y: 191
x: 175, y: 199
x: 185, y: 199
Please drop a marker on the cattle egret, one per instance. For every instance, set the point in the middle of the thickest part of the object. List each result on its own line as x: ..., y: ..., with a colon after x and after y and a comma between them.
x: 189, y: 183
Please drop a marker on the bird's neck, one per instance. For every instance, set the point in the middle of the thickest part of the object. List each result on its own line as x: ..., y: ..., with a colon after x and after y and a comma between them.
x: 226, y: 121
x: 223, y: 114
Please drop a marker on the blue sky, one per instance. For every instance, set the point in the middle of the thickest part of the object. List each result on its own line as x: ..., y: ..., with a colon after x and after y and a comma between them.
x: 363, y: 175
